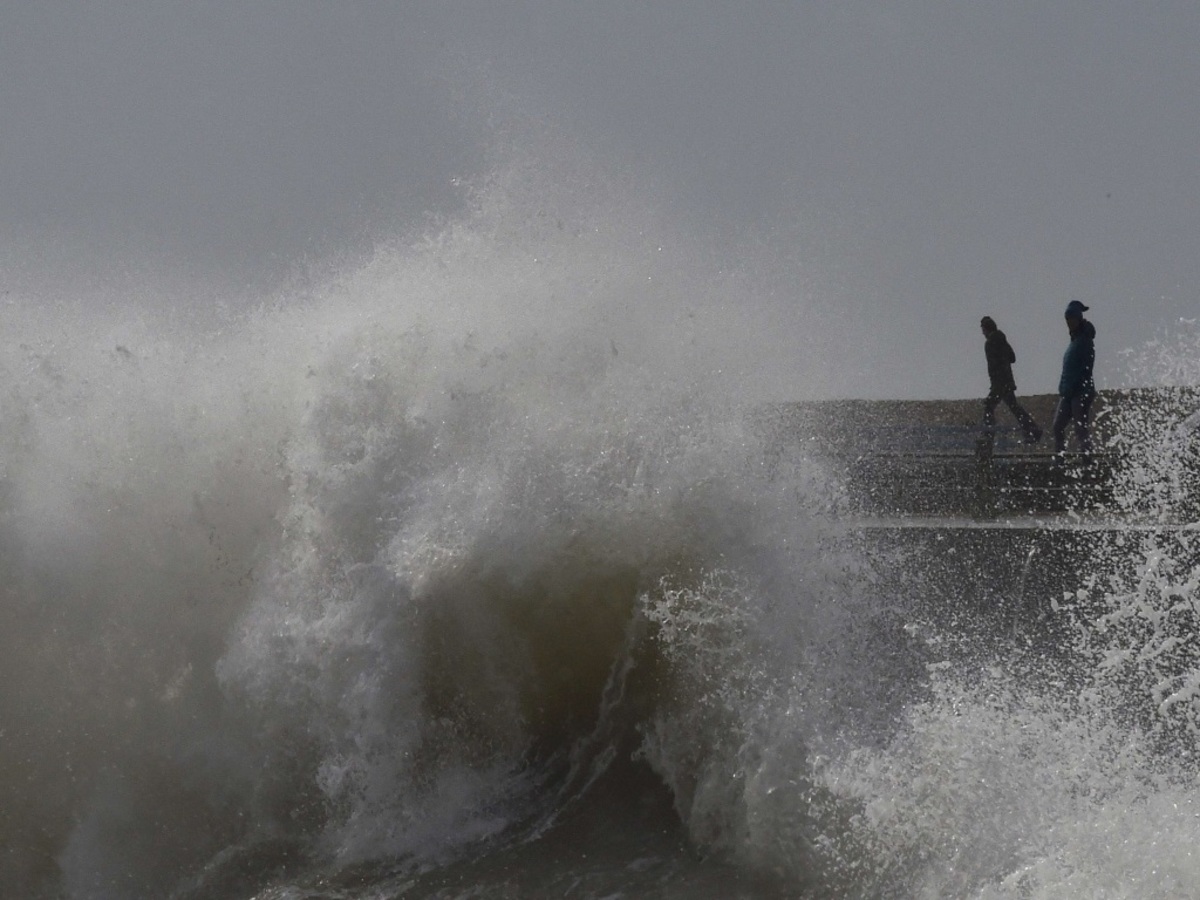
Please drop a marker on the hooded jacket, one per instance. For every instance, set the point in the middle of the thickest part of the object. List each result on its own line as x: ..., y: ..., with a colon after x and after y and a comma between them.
x: 1000, y: 357
x: 1078, y: 361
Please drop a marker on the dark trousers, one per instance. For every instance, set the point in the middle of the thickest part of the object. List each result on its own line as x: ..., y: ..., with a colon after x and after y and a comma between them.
x: 1008, y: 398
x: 1074, y: 409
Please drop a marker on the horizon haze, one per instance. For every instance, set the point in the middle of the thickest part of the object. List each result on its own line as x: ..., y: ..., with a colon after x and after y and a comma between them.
x: 890, y: 172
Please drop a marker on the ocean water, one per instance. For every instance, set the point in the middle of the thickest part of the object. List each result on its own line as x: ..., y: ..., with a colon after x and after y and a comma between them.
x: 475, y: 570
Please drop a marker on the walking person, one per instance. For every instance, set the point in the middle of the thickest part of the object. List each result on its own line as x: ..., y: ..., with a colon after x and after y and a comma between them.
x: 1000, y: 357
x: 1076, y: 388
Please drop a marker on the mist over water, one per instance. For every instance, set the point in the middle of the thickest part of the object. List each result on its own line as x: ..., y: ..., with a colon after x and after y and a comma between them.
x: 485, y: 541
x: 349, y: 576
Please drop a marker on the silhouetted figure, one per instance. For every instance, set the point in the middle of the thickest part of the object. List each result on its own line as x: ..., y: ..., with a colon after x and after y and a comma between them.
x: 1000, y: 357
x: 1076, y: 389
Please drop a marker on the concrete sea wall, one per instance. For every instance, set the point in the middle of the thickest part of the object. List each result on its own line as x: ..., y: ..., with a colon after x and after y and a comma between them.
x: 930, y: 458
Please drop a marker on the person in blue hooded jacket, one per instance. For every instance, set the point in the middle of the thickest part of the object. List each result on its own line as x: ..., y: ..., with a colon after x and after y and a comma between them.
x: 1076, y: 389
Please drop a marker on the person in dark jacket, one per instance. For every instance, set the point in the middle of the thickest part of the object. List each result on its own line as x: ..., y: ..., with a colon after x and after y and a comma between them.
x: 1076, y: 389
x: 1000, y: 357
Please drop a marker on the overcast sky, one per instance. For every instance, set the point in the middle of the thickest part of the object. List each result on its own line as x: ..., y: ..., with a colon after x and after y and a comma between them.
x: 935, y: 161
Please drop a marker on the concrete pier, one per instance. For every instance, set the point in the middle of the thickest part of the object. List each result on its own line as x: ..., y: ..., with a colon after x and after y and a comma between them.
x: 983, y: 539
x: 931, y: 458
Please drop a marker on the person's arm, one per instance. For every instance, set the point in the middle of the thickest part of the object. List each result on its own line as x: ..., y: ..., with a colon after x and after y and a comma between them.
x: 1073, y: 370
x: 991, y: 350
x: 1087, y: 361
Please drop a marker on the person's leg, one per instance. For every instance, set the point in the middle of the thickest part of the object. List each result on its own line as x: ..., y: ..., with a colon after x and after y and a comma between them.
x: 1062, y: 415
x: 1033, y: 433
x: 989, y: 411
x: 1081, y: 406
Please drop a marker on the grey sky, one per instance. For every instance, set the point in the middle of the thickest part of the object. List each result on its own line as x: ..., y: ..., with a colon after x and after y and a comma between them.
x: 931, y: 161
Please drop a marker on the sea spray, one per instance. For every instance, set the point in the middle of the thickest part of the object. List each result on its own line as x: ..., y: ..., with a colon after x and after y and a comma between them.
x: 1063, y: 764
x: 351, y: 575
x: 494, y: 478
x: 466, y: 628
x: 139, y: 478
x: 1138, y: 606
